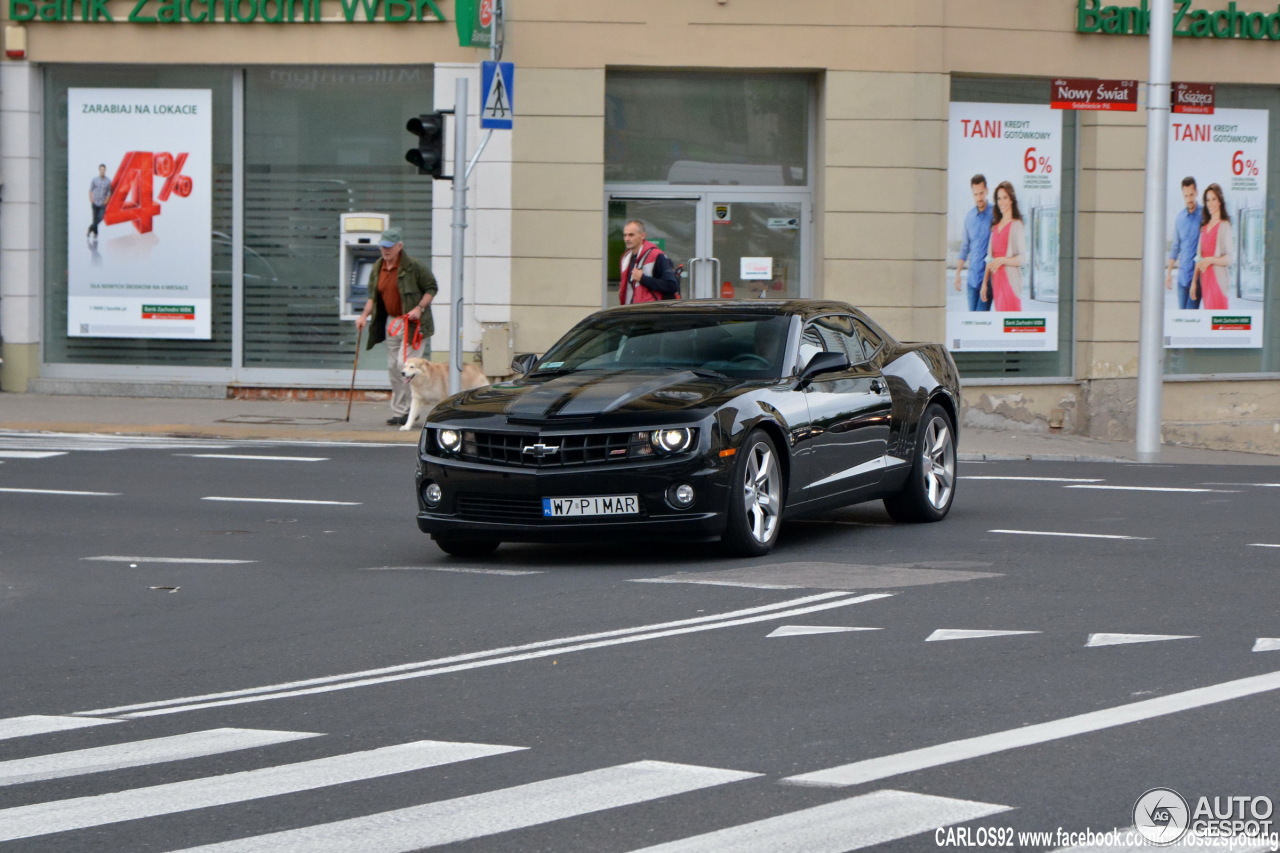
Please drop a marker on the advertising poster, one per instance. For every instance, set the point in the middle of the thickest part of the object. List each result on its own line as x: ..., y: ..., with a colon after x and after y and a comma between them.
x: 1214, y: 293
x: 139, y: 213
x: 1010, y: 304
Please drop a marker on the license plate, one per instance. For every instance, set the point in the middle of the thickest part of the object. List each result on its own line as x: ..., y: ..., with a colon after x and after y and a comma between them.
x: 602, y: 505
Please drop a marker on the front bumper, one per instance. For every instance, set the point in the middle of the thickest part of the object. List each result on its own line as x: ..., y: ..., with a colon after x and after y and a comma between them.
x: 505, y: 503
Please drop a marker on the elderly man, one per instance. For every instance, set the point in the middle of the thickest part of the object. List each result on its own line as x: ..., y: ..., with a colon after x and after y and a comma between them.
x: 400, y: 294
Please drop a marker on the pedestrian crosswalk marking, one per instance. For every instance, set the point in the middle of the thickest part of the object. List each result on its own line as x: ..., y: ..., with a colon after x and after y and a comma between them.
x: 82, y: 812
x: 38, y: 725
x: 31, y: 454
x: 852, y: 824
x: 139, y: 753
x: 1267, y: 644
x: 481, y: 815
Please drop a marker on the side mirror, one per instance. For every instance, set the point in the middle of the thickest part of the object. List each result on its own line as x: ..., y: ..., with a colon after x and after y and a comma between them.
x: 823, y: 362
x: 523, y: 363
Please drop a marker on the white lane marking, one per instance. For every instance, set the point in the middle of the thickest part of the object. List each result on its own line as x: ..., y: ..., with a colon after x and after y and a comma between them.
x: 873, y: 769
x: 1096, y: 640
x: 802, y: 630
x: 38, y: 725
x: 546, y: 648
x: 1072, y: 535
x: 1035, y: 479
x: 1155, y: 489
x: 1262, y: 545
x: 943, y: 634
x: 256, y: 458
x: 716, y: 583
x: 31, y: 454
x: 511, y: 572
x: 113, y: 559
x: 83, y: 812
x: 139, y: 753
x: 482, y: 815
x: 60, y: 492
x: 853, y: 824
x: 1267, y: 644
x: 1256, y: 485
x: 283, y: 501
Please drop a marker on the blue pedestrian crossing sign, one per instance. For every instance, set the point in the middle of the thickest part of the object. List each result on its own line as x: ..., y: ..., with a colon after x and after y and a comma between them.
x: 497, y: 81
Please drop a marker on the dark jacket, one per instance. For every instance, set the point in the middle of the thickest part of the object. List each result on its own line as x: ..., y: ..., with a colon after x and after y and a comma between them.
x: 414, y: 281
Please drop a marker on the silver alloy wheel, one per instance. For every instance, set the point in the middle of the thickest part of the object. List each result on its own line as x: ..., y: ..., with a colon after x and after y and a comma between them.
x: 938, y: 463
x: 761, y: 492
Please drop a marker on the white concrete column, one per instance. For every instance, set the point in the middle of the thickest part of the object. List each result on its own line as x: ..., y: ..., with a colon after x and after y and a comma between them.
x: 21, y: 222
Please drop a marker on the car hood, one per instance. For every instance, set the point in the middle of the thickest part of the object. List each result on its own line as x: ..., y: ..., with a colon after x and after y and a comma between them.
x: 591, y: 395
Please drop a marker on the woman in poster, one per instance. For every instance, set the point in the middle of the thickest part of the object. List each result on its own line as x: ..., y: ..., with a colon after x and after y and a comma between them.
x: 1008, y: 252
x: 1215, y: 251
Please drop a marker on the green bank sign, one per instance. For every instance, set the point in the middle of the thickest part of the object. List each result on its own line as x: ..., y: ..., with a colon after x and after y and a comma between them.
x: 1092, y: 16
x: 223, y: 11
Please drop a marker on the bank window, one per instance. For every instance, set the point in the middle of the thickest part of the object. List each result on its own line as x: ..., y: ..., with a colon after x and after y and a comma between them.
x: 1052, y: 233
x: 727, y: 129
x: 1253, y: 280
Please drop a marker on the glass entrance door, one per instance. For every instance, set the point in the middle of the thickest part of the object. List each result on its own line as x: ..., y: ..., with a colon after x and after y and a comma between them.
x: 732, y: 244
x: 758, y: 247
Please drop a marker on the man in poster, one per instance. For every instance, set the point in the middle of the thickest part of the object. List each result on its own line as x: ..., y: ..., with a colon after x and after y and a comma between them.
x: 973, y: 245
x: 99, y: 194
x: 1182, y: 252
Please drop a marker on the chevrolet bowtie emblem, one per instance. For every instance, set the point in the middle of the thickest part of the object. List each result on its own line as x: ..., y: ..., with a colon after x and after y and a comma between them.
x: 540, y: 450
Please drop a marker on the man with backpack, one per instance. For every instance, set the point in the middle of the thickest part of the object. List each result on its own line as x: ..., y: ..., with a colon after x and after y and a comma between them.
x: 647, y: 272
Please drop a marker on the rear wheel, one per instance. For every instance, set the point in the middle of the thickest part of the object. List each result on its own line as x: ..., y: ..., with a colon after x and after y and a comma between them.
x: 466, y: 547
x: 755, y: 498
x: 931, y: 485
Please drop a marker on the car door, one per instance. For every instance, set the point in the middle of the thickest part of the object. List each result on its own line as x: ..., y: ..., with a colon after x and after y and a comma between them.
x: 849, y: 414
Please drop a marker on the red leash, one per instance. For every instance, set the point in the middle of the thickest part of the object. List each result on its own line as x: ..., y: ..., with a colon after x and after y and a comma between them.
x: 397, y: 326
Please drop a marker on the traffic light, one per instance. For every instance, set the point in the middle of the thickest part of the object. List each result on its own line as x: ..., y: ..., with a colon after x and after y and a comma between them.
x: 429, y: 155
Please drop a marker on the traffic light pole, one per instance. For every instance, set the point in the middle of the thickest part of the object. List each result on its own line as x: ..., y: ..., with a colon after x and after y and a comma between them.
x: 459, y: 229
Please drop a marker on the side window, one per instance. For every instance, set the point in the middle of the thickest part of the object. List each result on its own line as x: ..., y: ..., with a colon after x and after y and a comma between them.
x: 833, y: 333
x: 811, y: 344
x: 871, y: 342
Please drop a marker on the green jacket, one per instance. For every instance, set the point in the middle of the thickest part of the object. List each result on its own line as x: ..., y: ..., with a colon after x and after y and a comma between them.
x: 415, y: 281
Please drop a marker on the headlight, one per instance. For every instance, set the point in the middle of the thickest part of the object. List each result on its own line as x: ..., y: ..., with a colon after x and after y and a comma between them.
x: 449, y: 440
x: 672, y: 440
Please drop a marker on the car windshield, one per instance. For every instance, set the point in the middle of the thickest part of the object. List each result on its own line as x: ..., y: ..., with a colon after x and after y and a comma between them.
x: 741, y: 347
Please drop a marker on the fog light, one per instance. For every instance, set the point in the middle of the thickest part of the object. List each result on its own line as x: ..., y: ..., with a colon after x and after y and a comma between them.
x: 431, y: 494
x: 680, y: 496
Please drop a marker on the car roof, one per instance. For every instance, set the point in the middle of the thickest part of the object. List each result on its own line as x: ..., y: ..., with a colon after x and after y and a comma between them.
x: 776, y: 307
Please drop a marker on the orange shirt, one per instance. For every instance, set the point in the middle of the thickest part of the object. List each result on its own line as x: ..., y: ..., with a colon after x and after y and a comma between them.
x: 389, y: 289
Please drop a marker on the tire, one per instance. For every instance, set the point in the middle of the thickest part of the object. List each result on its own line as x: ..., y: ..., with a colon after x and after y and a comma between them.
x: 466, y: 547
x: 756, y: 498
x: 931, y: 485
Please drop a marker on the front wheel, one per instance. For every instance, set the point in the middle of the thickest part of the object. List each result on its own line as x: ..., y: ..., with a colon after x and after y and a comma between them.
x: 466, y: 547
x: 931, y: 485
x: 756, y: 497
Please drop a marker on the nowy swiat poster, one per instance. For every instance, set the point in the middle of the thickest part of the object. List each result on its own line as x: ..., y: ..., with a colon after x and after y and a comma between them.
x: 1003, y: 207
x: 1217, y: 213
x: 139, y: 213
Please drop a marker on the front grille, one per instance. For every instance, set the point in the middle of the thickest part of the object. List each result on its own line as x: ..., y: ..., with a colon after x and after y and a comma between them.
x: 525, y: 510
x: 552, y: 451
x: 497, y: 508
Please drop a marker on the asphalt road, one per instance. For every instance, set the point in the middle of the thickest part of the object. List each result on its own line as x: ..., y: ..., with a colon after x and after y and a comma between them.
x: 326, y: 679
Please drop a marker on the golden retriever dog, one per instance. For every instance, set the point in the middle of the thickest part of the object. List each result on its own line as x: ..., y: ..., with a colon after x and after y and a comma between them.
x: 429, y: 382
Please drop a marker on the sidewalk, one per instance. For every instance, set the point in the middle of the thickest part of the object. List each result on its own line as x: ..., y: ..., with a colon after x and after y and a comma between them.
x: 326, y: 421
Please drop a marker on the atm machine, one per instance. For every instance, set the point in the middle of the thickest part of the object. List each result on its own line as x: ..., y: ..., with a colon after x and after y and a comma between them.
x: 357, y: 253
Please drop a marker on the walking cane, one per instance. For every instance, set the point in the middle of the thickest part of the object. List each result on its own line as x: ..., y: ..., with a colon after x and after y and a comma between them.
x: 352, y: 393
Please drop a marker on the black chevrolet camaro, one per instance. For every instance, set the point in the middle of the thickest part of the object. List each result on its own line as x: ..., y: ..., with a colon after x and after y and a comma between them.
x: 707, y: 419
